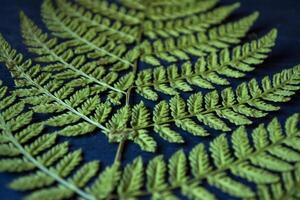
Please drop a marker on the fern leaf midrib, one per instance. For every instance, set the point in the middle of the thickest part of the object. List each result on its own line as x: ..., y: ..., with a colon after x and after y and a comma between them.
x: 46, y: 92
x: 40, y: 166
x: 92, y: 78
x: 202, y: 74
x: 75, y: 35
x: 215, y: 109
x: 225, y: 167
x: 92, y: 22
x: 68, y: 65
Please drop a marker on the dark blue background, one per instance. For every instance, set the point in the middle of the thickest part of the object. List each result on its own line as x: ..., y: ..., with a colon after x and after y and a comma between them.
x: 280, y: 14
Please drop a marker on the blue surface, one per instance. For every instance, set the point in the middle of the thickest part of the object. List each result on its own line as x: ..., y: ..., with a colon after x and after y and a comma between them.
x: 274, y: 13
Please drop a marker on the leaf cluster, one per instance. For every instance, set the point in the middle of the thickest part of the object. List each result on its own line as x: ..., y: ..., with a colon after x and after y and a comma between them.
x: 85, y: 71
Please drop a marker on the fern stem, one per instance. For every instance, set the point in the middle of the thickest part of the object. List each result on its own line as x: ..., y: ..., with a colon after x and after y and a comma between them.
x: 93, y: 79
x: 118, y: 156
x: 226, y: 167
x: 40, y: 166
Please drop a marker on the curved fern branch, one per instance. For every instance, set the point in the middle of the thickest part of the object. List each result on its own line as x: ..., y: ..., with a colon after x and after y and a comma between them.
x: 249, y: 100
x: 207, y: 70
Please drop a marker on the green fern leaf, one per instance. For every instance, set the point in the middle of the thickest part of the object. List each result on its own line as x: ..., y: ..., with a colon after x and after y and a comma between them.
x: 156, y: 170
x: 197, y: 193
x: 84, y: 75
x: 199, y: 161
x: 177, y: 168
x: 131, y: 180
x: 106, y: 182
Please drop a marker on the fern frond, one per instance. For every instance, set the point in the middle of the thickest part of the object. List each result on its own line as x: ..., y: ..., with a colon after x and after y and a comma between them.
x: 174, y: 49
x: 113, y: 11
x: 207, y: 71
x: 49, y: 96
x: 102, y: 25
x: 219, y: 110
x: 24, y: 148
x: 198, y: 23
x: 93, y: 43
x: 221, y: 165
x: 89, y: 42
x: 173, y: 11
x: 72, y: 68
x: 49, y: 51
